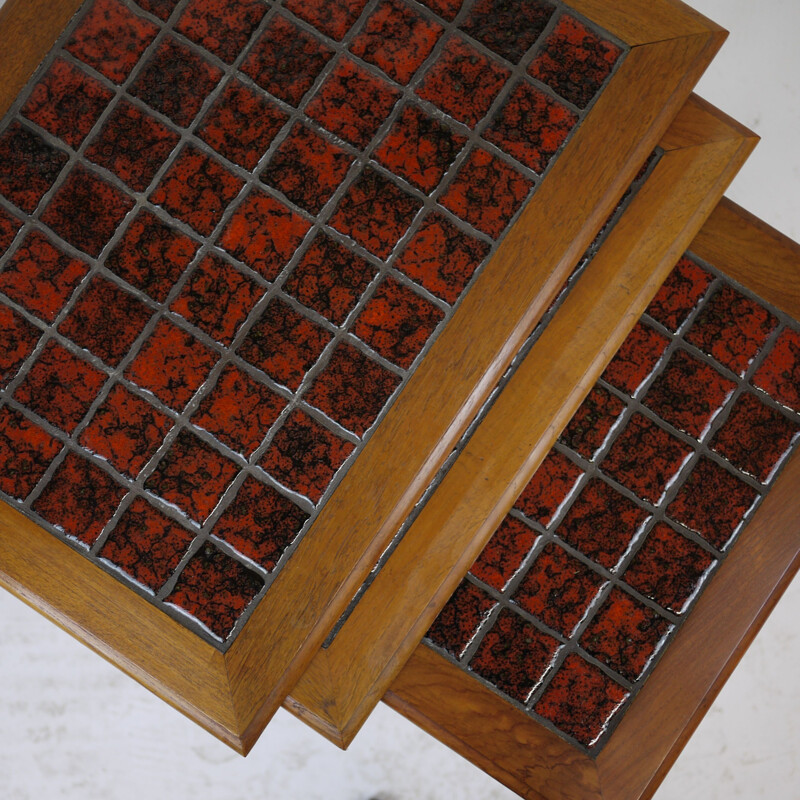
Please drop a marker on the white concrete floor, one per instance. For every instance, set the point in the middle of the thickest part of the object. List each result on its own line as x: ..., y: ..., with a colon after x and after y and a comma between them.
x: 73, y: 728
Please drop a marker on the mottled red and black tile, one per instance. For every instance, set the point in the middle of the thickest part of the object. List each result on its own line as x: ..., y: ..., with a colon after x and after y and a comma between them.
x: 550, y: 487
x: 460, y: 619
x: 779, y: 373
x: 223, y: 27
x: 332, y: 17
x: 680, y: 294
x: 503, y: 555
x: 9, y: 225
x: 447, y: 9
x: 159, y: 8
x: 19, y: 338
x: 591, y: 424
x: 636, y: 359
x: 26, y: 452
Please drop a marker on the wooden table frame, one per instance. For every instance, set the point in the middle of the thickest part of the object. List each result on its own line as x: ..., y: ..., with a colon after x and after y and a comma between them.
x: 234, y: 694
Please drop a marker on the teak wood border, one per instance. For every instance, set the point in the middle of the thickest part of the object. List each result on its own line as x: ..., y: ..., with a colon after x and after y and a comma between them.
x: 703, y: 151
x: 535, y: 762
x: 234, y: 695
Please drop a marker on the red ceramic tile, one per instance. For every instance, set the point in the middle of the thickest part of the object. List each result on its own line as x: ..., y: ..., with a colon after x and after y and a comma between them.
x: 712, y: 502
x: 447, y: 9
x: 79, y: 499
x: 172, y: 364
x: 375, y: 212
x: 126, y: 431
x: 636, y: 359
x: 133, y: 145
x: 260, y: 523
x: 581, y: 700
x: 67, y: 102
x: 602, y: 523
x: 688, y: 393
x: 330, y: 279
x: 732, y: 329
x: 396, y: 322
x: 460, y: 619
x: 197, y: 190
x: 442, y: 258
x: 419, y: 148
x: 509, y: 27
x: 19, y: 338
x: 624, y: 634
x: 333, y: 17
x: 60, y: 387
x: 26, y: 452
x: 304, y: 456
x: 146, y: 544
x: 575, y: 61
x: 215, y: 589
x: 284, y: 344
x: 558, y: 589
x: 755, y: 437
x: 396, y: 40
x: 352, y: 389
x: 353, y: 103
x: 591, y: 424
x: 223, y: 27
x: 159, y: 8
x: 514, y: 655
x: 86, y: 211
x: 28, y: 166
x: 9, y: 225
x: 193, y: 476
x: 242, y: 124
x: 668, y: 568
x: 549, y: 488
x: 286, y: 60
x: 176, y: 81
x: 151, y: 255
x: 40, y: 277
x: 531, y: 126
x: 503, y: 555
x: 779, y: 373
x: 680, y: 294
x: 264, y: 234
x: 487, y: 192
x: 111, y: 39
x: 463, y: 82
x: 217, y: 298
x: 239, y: 411
x: 307, y: 168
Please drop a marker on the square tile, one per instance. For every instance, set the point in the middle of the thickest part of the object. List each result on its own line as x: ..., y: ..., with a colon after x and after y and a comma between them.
x: 192, y: 476
x: 133, y: 145
x: 60, y: 387
x: 503, y: 555
x: 602, y: 523
x: 732, y: 329
x: 286, y: 60
x: 332, y: 17
x: 460, y: 619
x: 111, y: 39
x: 26, y: 452
x: 624, y: 634
x: 352, y: 103
x: 284, y: 344
x: 575, y: 61
x: 447, y: 9
x: 41, y: 277
x: 67, y: 102
x: 304, y: 456
x: 215, y: 589
x: 242, y: 124
x: 217, y: 299
x: 86, y: 211
x: 531, y: 126
x: 487, y: 192
x: 550, y: 487
x: 197, y: 190
x: 9, y: 225
x: 712, y: 502
x: 397, y: 323
x: 19, y: 338
x: 352, y: 389
x: 636, y: 359
x: 375, y: 213
x: 223, y: 27
x: 146, y: 544
x: 239, y: 410
x: 680, y: 294
x: 330, y: 279
x: 307, y: 168
x: 79, y: 499
x: 591, y: 424
x: 159, y: 8
x: 264, y: 234
x: 28, y: 166
x: 755, y: 438
x: 463, y: 82
x: 176, y: 81
x: 260, y: 523
x: 779, y: 373
x: 396, y: 40
x: 172, y: 364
